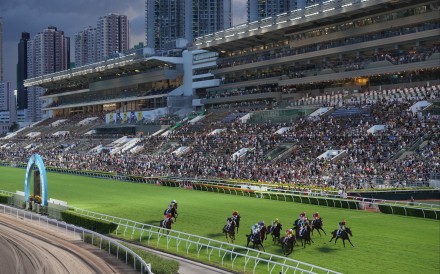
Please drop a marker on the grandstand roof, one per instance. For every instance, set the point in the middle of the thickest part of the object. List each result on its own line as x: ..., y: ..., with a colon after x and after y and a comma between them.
x: 128, y: 64
x: 271, y: 29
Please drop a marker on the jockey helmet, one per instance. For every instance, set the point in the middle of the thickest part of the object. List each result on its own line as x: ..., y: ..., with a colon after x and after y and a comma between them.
x: 317, y: 213
x: 169, y: 215
x: 173, y: 201
x: 276, y: 220
x: 343, y: 222
x: 261, y: 223
x: 235, y: 213
x: 290, y: 230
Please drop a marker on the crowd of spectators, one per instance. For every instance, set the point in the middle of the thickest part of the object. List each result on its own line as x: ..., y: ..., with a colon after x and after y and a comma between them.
x: 264, y: 55
x: 360, y: 62
x: 368, y: 159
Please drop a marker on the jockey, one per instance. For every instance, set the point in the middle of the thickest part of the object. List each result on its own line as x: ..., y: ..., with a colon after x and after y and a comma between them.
x: 235, y: 215
x: 289, y: 234
x: 255, y: 229
x: 275, y: 223
x: 171, y: 206
x: 302, y: 217
x: 303, y: 226
x: 316, y: 216
x: 228, y: 223
x: 341, y: 227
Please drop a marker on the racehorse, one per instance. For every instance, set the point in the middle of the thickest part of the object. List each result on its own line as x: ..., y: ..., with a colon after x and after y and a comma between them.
x: 263, y: 233
x: 287, y: 245
x: 257, y: 241
x: 230, y: 231
x: 166, y: 224
x: 275, y: 231
x: 317, y: 224
x: 345, y: 235
x: 237, y: 222
x: 305, y: 235
x: 173, y: 211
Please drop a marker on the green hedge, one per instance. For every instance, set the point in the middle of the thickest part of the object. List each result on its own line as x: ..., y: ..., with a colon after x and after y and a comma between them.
x: 159, y: 265
x: 350, y: 204
x: 99, y: 226
x: 322, y: 201
x: 410, y: 211
x: 4, y: 199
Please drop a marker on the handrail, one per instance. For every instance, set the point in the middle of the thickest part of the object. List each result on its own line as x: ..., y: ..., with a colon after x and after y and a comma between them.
x: 23, y: 214
x: 191, y: 240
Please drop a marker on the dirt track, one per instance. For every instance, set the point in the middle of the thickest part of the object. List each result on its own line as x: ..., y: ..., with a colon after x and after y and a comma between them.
x: 26, y: 247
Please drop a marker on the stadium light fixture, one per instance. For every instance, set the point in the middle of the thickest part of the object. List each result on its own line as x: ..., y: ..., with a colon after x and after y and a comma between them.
x: 328, y: 10
x: 311, y: 14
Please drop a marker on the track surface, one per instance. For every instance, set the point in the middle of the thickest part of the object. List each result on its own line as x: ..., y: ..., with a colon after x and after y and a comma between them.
x: 26, y: 247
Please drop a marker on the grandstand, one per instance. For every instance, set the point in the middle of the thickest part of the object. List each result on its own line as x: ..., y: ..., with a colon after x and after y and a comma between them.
x: 260, y: 101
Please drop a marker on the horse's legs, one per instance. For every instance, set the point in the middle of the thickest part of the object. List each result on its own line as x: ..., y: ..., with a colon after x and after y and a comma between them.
x: 343, y: 242
x: 350, y: 242
x: 323, y: 231
x: 337, y: 237
x: 318, y: 232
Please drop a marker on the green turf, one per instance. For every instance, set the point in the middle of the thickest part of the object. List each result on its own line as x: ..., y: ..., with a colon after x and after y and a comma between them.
x: 383, y: 243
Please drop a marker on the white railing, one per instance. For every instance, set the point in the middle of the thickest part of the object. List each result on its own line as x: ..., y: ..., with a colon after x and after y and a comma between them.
x: 82, y: 232
x: 221, y: 250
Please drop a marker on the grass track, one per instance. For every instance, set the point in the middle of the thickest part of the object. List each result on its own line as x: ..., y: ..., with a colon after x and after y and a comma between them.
x: 383, y: 243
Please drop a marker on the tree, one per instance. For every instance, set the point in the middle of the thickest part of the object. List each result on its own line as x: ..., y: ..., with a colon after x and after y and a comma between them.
x: 14, y: 127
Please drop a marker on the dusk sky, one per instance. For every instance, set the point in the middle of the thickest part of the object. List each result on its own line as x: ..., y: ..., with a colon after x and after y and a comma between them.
x: 33, y: 16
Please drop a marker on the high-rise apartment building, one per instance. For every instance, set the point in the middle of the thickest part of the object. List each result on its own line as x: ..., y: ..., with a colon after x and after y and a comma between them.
x: 1, y: 50
x: 169, y: 20
x: 112, y: 35
x: 85, y: 47
x: 47, y: 52
x: 259, y: 9
x: 164, y: 22
x: 22, y: 72
x: 210, y: 16
x: 5, y: 98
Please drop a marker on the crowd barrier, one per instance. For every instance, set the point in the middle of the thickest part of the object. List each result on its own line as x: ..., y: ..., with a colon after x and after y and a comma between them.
x: 188, y: 243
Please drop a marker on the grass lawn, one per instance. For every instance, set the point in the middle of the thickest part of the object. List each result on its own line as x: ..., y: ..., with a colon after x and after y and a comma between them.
x: 383, y: 243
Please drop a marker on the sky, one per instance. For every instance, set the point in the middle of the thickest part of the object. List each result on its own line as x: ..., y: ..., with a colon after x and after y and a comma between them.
x: 71, y: 16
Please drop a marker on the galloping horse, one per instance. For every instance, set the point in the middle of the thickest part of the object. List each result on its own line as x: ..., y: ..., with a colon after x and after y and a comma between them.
x: 173, y: 211
x: 305, y: 235
x: 230, y: 231
x: 237, y: 222
x: 345, y: 235
x: 287, y: 245
x: 257, y: 240
x: 317, y: 224
x: 166, y: 223
x: 275, y: 231
x: 263, y: 233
